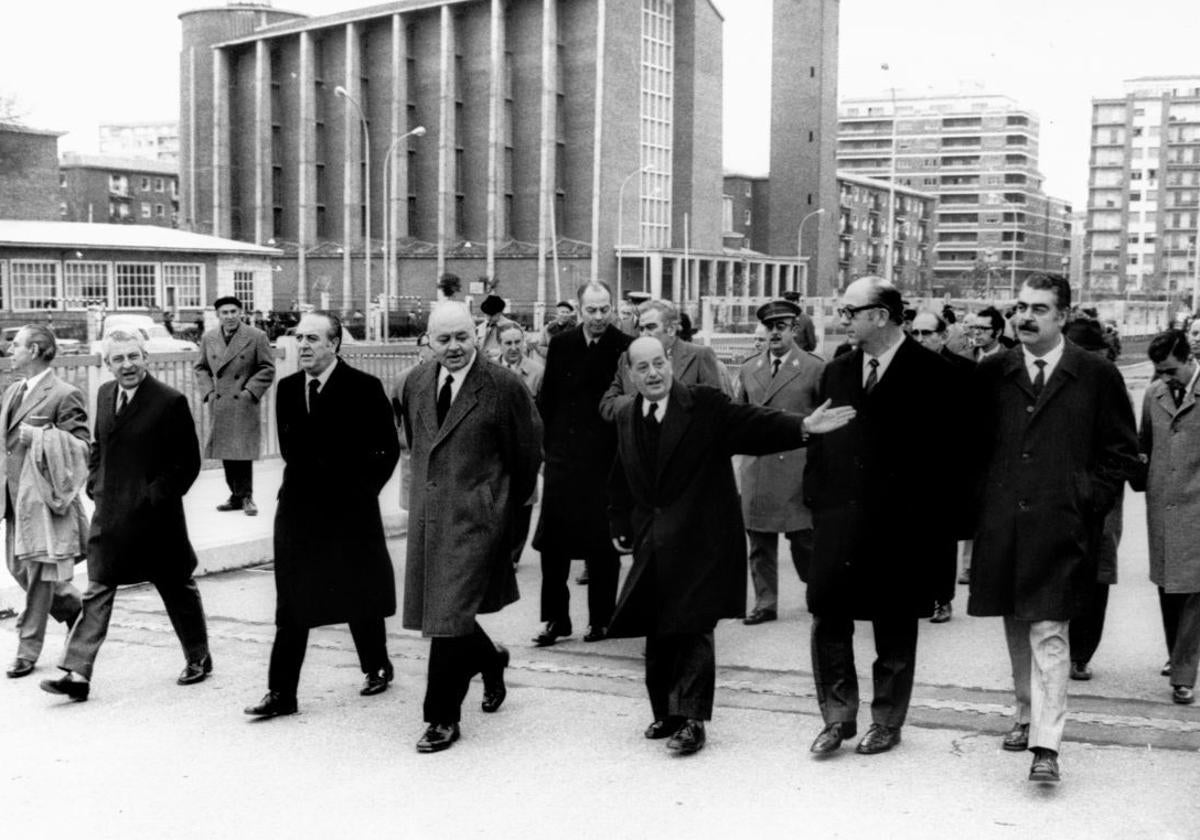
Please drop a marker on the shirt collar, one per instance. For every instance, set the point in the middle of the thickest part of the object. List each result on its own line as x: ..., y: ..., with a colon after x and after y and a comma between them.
x: 1051, y: 358
x: 460, y: 374
x: 33, y: 381
x: 662, y: 406
x: 885, y: 357
x: 324, y: 375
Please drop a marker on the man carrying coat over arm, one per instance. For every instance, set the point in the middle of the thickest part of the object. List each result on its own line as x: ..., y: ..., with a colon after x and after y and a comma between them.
x: 338, y: 441
x: 476, y: 448
x: 674, y: 504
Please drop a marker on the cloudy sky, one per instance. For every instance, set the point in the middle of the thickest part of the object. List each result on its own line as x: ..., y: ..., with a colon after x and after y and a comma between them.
x: 75, y: 63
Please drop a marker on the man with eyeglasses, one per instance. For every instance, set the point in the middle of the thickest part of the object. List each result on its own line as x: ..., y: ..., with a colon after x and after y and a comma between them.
x: 930, y: 331
x: 986, y: 329
x: 1054, y: 439
x: 694, y: 364
x: 786, y: 378
x: 864, y: 496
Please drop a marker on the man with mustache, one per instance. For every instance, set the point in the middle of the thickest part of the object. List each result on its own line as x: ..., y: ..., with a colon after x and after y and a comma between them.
x: 1054, y: 439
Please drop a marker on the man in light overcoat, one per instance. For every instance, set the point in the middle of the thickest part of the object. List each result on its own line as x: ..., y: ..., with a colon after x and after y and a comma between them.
x: 476, y: 448
x: 235, y: 369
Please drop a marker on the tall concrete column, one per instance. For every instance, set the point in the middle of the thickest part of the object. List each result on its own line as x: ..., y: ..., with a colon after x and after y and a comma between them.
x: 220, y: 146
x: 305, y: 167
x: 597, y: 136
x: 446, y: 138
x: 546, y: 181
x: 495, y: 132
x: 351, y: 163
x: 262, y: 141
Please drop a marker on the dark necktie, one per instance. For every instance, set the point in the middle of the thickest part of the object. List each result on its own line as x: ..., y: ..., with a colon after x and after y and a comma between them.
x: 1039, y: 381
x: 443, y: 402
x: 15, y: 405
x: 653, y: 427
x: 122, y: 401
x: 1176, y: 393
x: 872, y: 376
x: 314, y: 394
x: 775, y: 367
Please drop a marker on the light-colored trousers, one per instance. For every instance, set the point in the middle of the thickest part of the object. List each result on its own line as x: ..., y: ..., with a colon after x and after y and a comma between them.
x: 1041, y: 665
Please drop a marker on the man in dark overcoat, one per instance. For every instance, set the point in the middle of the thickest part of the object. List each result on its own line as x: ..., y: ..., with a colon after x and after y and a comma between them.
x: 579, y: 447
x: 1055, y: 440
x: 235, y: 369
x: 675, y: 507
x: 476, y: 447
x: 144, y: 458
x: 338, y: 440
x: 865, y: 498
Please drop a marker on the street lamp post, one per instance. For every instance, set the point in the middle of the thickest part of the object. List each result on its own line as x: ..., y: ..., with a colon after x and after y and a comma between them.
x: 621, y: 217
x: 341, y: 91
x: 800, y: 243
x: 389, y: 237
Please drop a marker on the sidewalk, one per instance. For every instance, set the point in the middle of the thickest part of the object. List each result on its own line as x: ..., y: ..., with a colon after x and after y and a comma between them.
x: 230, y: 540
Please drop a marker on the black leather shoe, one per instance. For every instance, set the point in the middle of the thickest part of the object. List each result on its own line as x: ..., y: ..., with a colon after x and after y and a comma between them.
x: 1017, y: 739
x: 664, y: 728
x: 1045, y: 765
x: 879, y: 738
x: 1166, y: 669
x: 1080, y: 671
x: 689, y: 739
x: 941, y: 613
x: 831, y: 737
x: 272, y: 705
x: 19, y: 668
x: 759, y: 617
x: 494, y: 689
x: 551, y: 633
x: 376, y: 682
x: 248, y: 507
x: 438, y: 737
x: 596, y: 633
x: 233, y: 503
x: 195, y: 672
x: 68, y: 687
x: 1183, y: 695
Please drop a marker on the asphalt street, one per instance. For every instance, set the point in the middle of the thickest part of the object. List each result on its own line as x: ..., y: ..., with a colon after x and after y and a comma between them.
x: 565, y: 757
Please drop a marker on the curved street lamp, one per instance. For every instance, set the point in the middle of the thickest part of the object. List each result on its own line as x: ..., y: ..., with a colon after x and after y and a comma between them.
x: 389, y: 237
x: 621, y: 217
x: 800, y: 243
x: 344, y: 94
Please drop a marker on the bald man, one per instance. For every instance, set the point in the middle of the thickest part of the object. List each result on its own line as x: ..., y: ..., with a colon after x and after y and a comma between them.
x: 476, y: 448
x: 674, y: 505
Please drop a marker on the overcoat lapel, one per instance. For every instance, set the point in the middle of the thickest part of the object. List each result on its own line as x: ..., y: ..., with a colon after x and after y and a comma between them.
x: 32, y: 400
x: 1067, y: 370
x: 789, y: 369
x: 240, y: 339
x: 675, y: 424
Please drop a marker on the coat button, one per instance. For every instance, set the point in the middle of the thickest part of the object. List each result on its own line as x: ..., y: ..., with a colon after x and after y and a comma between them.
x: 1025, y: 456
x: 1023, y: 504
x: 1029, y: 409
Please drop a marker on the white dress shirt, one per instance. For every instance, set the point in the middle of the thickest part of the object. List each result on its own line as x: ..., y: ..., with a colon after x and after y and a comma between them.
x: 884, y: 359
x: 1051, y: 359
x: 662, y: 406
x: 456, y: 377
x: 320, y: 379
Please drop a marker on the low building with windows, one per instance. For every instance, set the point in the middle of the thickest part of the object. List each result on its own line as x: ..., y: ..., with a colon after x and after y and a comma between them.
x: 99, y: 188
x: 56, y: 272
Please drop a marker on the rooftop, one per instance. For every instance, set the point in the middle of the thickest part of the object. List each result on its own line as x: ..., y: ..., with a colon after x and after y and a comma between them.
x: 121, y: 237
x: 110, y: 162
x: 17, y: 128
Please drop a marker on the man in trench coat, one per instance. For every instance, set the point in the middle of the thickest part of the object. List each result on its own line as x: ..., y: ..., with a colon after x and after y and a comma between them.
x: 1054, y: 441
x: 338, y: 440
x: 674, y: 505
x: 235, y: 369
x: 475, y: 440
x: 144, y: 459
x: 786, y: 378
x: 865, y: 500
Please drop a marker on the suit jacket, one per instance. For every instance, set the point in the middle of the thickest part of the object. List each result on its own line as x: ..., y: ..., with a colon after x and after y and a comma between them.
x: 51, y: 403
x: 871, y: 484
x: 773, y: 485
x: 693, y: 364
x: 471, y: 477
x: 331, y: 558
x: 530, y: 371
x: 141, y: 465
x: 233, y: 378
x: 579, y: 444
x: 1049, y: 471
x: 1170, y: 439
x: 681, y: 512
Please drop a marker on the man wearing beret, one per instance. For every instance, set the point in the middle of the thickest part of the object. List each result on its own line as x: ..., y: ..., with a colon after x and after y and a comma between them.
x: 787, y: 378
x: 236, y: 367
x: 487, y: 334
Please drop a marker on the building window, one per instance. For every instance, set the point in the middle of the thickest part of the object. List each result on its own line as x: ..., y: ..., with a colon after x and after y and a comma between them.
x: 145, y: 211
x: 746, y: 217
x: 34, y: 284
x: 749, y: 190
x: 137, y: 285
x: 62, y: 180
x: 243, y: 288
x: 657, y: 108
x: 118, y: 185
x: 158, y: 210
x: 145, y: 185
x: 84, y: 283
x: 185, y: 279
x: 727, y: 213
x: 158, y: 185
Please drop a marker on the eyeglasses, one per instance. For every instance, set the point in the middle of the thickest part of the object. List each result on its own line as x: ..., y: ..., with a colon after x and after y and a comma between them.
x: 925, y: 333
x: 780, y: 325
x: 849, y: 312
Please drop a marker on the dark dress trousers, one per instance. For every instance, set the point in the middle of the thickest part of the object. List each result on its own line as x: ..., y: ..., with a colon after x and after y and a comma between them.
x: 331, y: 558
x: 952, y: 452
x: 141, y: 464
x: 579, y: 447
x: 870, y: 486
x: 674, y: 500
x: 471, y: 476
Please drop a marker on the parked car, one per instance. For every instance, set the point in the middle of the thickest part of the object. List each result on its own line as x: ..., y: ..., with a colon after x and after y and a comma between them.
x: 158, y: 340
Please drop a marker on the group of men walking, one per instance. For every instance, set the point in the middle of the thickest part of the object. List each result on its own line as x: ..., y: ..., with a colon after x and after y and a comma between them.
x: 637, y: 437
